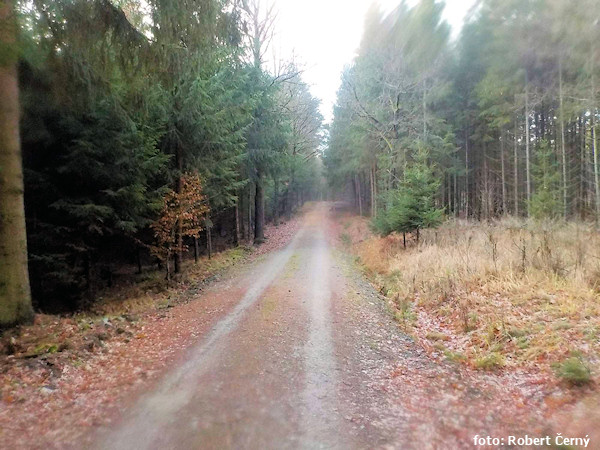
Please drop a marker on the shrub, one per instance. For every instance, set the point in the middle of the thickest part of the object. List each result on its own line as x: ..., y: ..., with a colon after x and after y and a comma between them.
x: 490, y: 361
x: 346, y: 239
x: 573, y: 370
x: 545, y: 201
x: 412, y: 206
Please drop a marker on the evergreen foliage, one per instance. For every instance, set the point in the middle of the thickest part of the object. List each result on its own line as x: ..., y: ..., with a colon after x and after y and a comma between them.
x: 411, y: 206
x: 545, y: 201
x: 508, y: 112
x: 120, y: 100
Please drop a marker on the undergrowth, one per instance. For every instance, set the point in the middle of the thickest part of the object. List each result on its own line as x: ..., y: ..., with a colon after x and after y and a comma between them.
x: 506, y: 293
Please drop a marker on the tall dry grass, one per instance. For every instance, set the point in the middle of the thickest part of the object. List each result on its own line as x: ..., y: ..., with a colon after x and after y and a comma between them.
x: 522, y: 292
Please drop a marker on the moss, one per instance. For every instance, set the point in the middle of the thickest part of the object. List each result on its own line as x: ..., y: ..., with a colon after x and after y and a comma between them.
x: 42, y: 349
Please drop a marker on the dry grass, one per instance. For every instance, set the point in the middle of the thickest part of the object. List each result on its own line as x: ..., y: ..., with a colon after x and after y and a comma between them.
x: 150, y: 290
x: 512, y: 291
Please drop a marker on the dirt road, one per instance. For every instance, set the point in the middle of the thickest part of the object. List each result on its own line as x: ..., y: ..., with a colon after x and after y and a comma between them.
x: 307, y: 356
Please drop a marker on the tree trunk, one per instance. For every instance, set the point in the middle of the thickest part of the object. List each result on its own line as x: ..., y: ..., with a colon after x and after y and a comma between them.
x: 527, y: 155
x: 276, y: 201
x: 196, y: 250
x: 15, y: 294
x: 168, y: 267
x: 503, y: 170
x: 209, y: 241
x: 486, y: 194
x: 467, y: 174
x: 372, y: 192
x: 562, y: 141
x: 582, y: 167
x: 238, y: 235
x: 455, y: 199
x: 259, y: 210
x: 139, y: 260
x: 424, y: 110
x: 249, y: 228
x: 516, y: 171
x: 357, y: 184
x: 289, y: 199
x: 594, y: 144
x: 373, y: 181
x: 179, y: 233
x: 596, y: 174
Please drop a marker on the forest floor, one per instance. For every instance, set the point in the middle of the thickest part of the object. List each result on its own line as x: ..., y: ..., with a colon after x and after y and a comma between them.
x: 509, y: 298
x: 63, y: 375
x: 294, y: 348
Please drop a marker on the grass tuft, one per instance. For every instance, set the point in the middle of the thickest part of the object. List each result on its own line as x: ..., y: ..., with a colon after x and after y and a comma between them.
x: 491, y: 361
x: 573, y: 370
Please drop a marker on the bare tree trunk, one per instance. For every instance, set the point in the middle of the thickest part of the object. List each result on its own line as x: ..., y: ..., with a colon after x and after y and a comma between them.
x: 249, y: 228
x: 15, y: 294
x: 196, y: 250
x: 168, y: 266
x: 466, y: 175
x: 503, y: 170
x: 276, y: 201
x: 596, y: 175
x: 288, y: 200
x: 357, y: 184
x: 424, y: 110
x: 179, y: 233
x: 582, y: 167
x: 372, y: 192
x: 516, y: 171
x: 455, y: 201
x: 527, y: 144
x: 595, y: 144
x: 259, y: 210
x: 486, y: 194
x: 209, y: 241
x: 562, y: 140
x: 238, y: 235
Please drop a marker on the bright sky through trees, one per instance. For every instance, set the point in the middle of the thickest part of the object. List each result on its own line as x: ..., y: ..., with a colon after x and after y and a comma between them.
x: 323, y: 36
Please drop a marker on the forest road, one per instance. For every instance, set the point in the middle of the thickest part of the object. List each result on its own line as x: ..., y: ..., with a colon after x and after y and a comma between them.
x: 297, y: 362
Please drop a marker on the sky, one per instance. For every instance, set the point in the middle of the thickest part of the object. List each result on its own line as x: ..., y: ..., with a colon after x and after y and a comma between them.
x: 323, y: 35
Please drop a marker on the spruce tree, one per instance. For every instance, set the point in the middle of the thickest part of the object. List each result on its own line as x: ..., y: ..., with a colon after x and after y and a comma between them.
x: 546, y: 200
x: 411, y: 207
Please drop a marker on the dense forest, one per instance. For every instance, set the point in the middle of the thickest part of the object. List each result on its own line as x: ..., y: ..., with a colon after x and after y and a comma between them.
x: 188, y: 232
x: 499, y: 121
x: 146, y: 128
x: 151, y: 131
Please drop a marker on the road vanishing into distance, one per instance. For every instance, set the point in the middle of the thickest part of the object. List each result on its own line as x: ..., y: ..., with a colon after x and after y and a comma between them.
x: 308, y: 357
